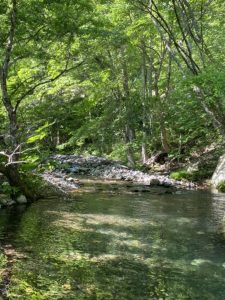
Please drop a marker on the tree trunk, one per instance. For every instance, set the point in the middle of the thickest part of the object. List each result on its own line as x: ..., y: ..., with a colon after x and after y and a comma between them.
x: 144, y: 97
x: 17, y: 181
x: 129, y: 135
x: 164, y: 139
x: 129, y: 131
x: 11, y: 170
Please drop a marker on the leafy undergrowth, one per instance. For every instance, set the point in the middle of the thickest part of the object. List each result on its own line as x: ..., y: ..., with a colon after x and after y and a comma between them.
x: 3, y: 262
x: 195, y: 176
x: 221, y: 187
x: 199, y: 166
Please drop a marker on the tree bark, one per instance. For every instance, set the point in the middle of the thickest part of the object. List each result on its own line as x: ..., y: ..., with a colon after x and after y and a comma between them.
x: 129, y: 131
x: 11, y: 171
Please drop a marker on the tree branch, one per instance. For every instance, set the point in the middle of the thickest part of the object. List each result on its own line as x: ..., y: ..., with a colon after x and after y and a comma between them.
x: 50, y: 80
x: 5, y: 65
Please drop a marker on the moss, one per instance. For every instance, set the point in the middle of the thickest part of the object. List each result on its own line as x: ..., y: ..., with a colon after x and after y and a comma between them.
x: 221, y: 186
x: 195, y: 176
x: 181, y: 175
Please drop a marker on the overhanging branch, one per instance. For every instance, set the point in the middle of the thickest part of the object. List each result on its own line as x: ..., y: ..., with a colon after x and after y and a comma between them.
x: 50, y: 80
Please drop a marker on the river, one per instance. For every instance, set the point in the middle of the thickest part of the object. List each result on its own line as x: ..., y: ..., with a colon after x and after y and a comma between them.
x: 108, y: 244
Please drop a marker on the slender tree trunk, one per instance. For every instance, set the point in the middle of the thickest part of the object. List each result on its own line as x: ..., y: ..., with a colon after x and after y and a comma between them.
x: 128, y: 140
x: 129, y: 131
x: 164, y: 135
x: 164, y: 139
x: 144, y: 108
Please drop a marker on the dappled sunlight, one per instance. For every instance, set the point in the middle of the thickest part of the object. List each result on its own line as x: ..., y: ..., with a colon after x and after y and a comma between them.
x: 93, y: 222
x: 115, y: 220
x: 70, y: 220
x: 117, y: 248
x: 84, y: 222
x: 129, y: 244
x: 114, y: 233
x: 199, y: 261
x: 183, y: 220
x: 96, y: 219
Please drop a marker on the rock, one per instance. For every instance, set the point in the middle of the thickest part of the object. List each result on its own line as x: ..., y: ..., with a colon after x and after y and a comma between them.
x: 219, y: 174
x: 166, y: 183
x: 11, y: 202
x: 74, y: 169
x: 151, y: 181
x: 21, y: 199
x: 139, y: 189
x: 154, y: 181
x: 103, y: 168
x: 4, y: 200
x: 178, y: 192
x: 70, y: 179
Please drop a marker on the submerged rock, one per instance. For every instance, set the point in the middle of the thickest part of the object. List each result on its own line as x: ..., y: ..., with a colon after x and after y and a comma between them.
x: 154, y: 181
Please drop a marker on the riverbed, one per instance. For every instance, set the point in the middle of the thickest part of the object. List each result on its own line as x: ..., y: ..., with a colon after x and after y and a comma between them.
x: 107, y: 243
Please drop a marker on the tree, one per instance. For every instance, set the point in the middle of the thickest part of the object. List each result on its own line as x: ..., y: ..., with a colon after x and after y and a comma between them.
x: 37, y: 51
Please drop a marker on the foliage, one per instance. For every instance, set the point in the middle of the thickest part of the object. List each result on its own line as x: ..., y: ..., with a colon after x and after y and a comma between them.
x: 221, y: 187
x: 7, y: 189
x: 180, y: 175
x: 107, y: 78
x: 195, y: 176
x: 2, y: 261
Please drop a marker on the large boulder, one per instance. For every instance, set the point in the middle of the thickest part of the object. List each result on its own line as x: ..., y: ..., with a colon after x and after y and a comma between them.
x: 219, y: 174
x: 21, y: 199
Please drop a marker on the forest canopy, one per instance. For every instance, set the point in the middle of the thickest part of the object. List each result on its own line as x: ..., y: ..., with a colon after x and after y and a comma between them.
x: 118, y: 78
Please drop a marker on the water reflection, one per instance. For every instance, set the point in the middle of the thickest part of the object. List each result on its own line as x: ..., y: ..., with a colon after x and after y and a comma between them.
x: 108, y: 246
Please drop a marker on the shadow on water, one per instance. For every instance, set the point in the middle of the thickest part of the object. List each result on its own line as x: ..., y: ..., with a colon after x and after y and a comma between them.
x: 120, y: 247
x: 9, y: 219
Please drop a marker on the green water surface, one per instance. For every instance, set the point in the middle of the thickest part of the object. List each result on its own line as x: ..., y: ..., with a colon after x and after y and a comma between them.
x: 104, y: 245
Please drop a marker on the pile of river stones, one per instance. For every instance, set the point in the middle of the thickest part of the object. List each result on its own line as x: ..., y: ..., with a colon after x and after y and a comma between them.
x: 68, y: 170
x: 68, y: 167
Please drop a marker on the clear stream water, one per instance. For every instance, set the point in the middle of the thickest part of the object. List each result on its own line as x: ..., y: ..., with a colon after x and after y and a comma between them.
x: 108, y: 245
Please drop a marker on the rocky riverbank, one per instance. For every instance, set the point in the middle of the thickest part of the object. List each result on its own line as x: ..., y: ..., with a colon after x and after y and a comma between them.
x: 68, y: 168
x: 65, y: 176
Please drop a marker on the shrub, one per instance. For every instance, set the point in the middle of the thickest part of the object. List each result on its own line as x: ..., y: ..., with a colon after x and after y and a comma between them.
x: 180, y: 175
x: 221, y: 186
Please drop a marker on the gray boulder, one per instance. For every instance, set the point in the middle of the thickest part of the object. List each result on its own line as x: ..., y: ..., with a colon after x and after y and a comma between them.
x: 21, y: 199
x: 11, y: 202
x: 4, y: 200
